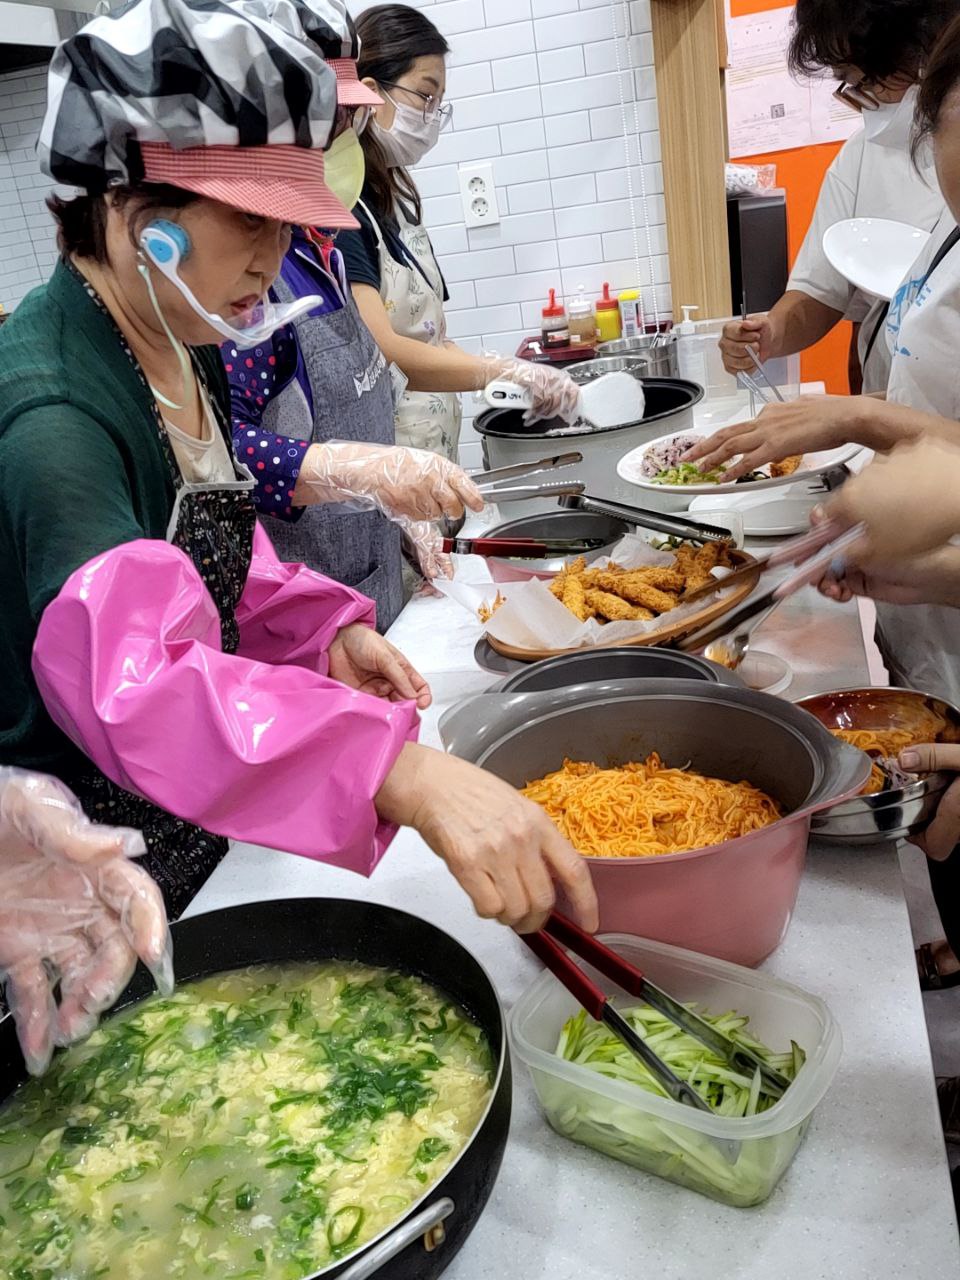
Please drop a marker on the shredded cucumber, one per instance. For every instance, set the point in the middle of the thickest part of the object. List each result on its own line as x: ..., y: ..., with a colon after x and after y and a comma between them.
x: 689, y: 473
x: 671, y: 1149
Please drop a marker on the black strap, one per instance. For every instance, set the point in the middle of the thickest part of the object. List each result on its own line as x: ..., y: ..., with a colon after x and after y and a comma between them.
x: 951, y: 242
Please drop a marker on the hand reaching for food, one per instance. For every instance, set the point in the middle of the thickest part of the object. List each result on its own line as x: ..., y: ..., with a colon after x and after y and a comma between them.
x: 933, y: 578
x: 504, y: 851
x: 909, y: 501
x: 809, y: 425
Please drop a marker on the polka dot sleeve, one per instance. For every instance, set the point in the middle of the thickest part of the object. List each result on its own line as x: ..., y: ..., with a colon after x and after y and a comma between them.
x: 256, y: 376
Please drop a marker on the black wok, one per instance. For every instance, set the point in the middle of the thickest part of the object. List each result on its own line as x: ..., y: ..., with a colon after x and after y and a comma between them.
x: 422, y: 1245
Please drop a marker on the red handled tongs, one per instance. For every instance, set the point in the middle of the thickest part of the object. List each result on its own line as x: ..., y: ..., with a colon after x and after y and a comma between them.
x: 559, y: 932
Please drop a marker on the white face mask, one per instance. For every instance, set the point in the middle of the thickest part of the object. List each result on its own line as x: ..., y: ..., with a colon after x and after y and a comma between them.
x: 410, y: 137
x: 891, y: 124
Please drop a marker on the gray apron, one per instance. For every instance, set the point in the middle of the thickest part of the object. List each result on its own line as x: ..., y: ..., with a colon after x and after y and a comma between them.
x: 352, y: 400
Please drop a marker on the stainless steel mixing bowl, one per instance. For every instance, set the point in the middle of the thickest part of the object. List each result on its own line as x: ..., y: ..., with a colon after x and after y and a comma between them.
x: 888, y: 815
x: 662, y: 358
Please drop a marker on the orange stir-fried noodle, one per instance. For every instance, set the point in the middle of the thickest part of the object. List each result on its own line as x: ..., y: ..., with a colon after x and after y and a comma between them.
x: 644, y: 809
x: 883, y: 743
x: 886, y: 744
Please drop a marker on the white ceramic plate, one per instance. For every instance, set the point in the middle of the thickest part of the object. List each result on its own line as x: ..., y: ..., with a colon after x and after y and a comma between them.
x: 875, y: 254
x: 630, y: 468
x: 780, y: 514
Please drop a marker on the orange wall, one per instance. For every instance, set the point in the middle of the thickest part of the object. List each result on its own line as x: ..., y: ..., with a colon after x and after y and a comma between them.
x: 800, y: 172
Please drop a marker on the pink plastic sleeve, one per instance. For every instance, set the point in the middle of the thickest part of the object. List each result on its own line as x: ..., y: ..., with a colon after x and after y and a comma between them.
x: 129, y: 664
x: 290, y: 614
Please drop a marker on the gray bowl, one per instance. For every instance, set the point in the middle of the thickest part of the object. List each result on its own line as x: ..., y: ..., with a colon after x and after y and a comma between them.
x: 889, y: 815
x: 616, y: 663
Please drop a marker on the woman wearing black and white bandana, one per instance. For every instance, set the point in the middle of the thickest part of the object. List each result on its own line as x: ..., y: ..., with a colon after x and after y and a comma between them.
x: 158, y: 657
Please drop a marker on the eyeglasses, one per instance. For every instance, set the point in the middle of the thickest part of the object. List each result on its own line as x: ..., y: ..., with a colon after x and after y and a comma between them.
x: 858, y: 96
x: 432, y: 106
x: 349, y: 117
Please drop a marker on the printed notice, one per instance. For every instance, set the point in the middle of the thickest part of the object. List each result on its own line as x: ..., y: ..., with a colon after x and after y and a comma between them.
x: 767, y: 109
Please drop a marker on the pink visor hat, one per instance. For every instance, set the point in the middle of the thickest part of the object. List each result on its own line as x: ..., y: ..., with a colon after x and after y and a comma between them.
x: 351, y: 91
x: 283, y: 182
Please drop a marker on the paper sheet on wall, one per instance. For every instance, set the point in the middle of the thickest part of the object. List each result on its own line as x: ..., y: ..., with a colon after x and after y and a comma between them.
x: 767, y: 109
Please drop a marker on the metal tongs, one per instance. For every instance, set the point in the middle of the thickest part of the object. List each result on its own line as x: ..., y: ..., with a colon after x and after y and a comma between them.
x: 815, y: 553
x: 759, y: 383
x: 559, y: 932
x: 673, y: 526
x: 487, y: 481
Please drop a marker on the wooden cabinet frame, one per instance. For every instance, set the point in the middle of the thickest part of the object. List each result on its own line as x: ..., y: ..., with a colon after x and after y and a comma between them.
x: 689, y: 43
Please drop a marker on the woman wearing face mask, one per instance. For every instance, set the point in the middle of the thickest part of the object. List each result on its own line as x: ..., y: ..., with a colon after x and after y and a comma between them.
x: 312, y: 411
x: 876, y: 50
x: 157, y: 655
x: 391, y: 266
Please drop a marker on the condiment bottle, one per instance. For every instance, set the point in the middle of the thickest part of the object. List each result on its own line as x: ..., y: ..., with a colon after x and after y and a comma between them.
x: 555, y: 327
x: 608, y: 317
x: 583, y: 323
x: 630, y: 313
x: 692, y: 349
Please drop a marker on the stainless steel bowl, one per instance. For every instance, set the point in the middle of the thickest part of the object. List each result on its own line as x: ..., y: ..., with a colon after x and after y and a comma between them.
x: 662, y: 359
x: 637, y: 364
x: 889, y: 815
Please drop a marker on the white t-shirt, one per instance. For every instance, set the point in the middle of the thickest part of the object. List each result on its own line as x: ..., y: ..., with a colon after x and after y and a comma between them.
x: 923, y: 331
x: 866, y: 180
x: 921, y: 644
x: 204, y: 459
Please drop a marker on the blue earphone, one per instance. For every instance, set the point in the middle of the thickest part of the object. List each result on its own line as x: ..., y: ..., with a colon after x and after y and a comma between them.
x: 164, y: 242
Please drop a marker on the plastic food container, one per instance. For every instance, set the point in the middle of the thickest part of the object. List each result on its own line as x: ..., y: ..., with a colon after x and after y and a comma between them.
x: 664, y: 1137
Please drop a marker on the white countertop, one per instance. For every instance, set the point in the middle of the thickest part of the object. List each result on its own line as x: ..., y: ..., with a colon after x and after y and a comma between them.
x: 868, y: 1197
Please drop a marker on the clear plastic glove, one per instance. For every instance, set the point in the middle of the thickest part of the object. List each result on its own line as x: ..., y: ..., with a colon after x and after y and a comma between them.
x: 73, y: 908
x: 423, y: 542
x: 554, y: 393
x: 414, y: 484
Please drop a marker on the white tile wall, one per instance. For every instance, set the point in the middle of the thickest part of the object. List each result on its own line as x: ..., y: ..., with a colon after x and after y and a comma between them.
x: 552, y: 127
x: 536, y: 91
x: 27, y: 242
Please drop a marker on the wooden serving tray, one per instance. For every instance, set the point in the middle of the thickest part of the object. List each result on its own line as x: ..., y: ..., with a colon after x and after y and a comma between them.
x: 711, y: 611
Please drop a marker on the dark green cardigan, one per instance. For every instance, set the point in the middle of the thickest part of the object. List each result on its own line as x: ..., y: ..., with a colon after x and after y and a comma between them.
x: 82, y: 470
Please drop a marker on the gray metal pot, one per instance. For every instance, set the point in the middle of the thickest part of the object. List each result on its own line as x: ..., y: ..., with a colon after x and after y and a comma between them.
x: 733, y: 900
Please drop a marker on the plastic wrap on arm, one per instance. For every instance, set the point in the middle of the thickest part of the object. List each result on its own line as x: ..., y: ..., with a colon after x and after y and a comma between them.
x: 129, y: 664
x: 402, y: 483
x: 554, y: 394
x: 75, y: 914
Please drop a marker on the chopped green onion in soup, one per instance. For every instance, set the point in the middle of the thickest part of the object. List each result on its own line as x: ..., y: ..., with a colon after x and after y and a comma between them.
x: 260, y: 1124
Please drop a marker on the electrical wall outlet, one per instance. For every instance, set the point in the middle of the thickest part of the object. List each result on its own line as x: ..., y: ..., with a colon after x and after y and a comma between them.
x: 478, y: 195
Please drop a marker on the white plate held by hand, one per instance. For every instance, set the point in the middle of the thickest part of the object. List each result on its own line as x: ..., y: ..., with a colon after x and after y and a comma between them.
x: 812, y: 465
x: 875, y: 254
